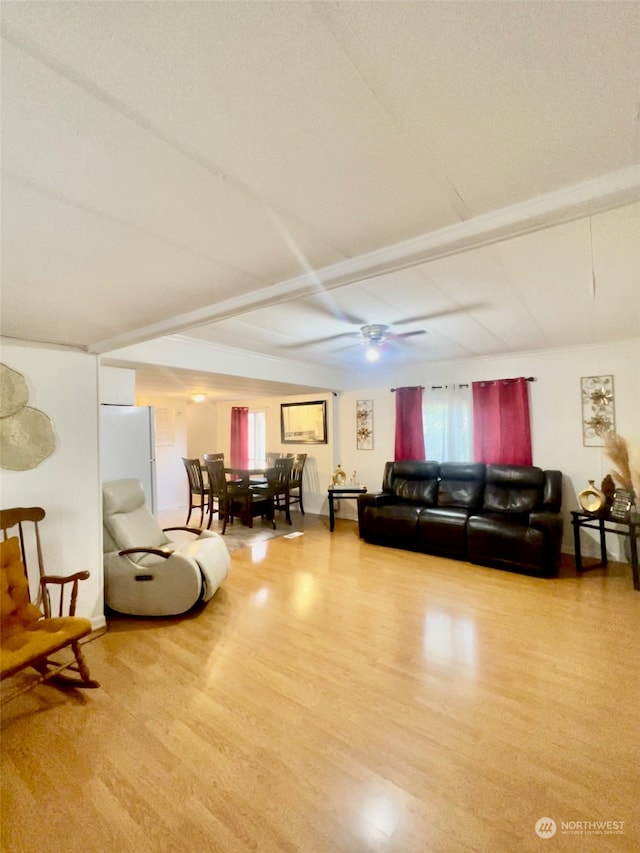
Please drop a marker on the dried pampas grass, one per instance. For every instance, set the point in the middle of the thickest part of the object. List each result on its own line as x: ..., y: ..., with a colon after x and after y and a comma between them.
x: 617, y: 450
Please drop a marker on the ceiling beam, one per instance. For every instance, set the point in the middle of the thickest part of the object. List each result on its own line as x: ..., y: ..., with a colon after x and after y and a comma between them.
x: 545, y: 211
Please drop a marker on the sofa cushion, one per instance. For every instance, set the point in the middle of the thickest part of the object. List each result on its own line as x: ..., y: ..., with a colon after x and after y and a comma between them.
x: 507, y: 542
x: 397, y: 522
x: 413, y: 481
x: 443, y: 530
x: 461, y: 484
x: 513, y: 489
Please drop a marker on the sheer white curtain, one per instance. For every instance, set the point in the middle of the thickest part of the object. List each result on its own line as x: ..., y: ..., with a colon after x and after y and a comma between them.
x: 447, y: 414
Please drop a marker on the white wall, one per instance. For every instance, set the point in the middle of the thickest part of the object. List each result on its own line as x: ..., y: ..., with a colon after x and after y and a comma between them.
x: 320, y: 457
x: 171, y: 446
x: 205, y: 428
x: 202, y: 428
x: 556, y: 415
x: 117, y: 386
x: 64, y: 385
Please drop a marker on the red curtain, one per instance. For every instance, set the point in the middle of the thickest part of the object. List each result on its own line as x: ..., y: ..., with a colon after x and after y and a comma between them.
x: 501, y: 428
x: 239, y: 437
x: 409, y: 431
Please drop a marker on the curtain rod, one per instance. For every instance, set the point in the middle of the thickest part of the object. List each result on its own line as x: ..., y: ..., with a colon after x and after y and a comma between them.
x: 466, y: 384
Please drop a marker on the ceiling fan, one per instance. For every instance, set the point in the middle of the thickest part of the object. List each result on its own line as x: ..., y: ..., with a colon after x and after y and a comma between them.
x: 374, y: 337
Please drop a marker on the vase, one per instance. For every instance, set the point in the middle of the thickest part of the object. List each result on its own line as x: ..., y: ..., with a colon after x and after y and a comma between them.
x: 591, y: 499
x: 339, y: 477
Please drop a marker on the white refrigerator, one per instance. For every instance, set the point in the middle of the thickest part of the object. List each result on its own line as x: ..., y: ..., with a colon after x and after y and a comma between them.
x: 127, y: 447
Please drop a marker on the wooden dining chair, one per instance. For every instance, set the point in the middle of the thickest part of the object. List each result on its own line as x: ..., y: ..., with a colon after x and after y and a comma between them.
x: 214, y: 501
x: 276, y: 489
x: 199, y: 491
x: 234, y: 499
x: 212, y: 456
x: 270, y: 459
x: 295, y: 481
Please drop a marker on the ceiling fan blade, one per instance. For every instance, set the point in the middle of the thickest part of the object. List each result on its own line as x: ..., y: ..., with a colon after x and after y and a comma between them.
x: 435, y: 315
x: 409, y: 334
x: 330, y: 309
x: 321, y: 340
x: 349, y: 318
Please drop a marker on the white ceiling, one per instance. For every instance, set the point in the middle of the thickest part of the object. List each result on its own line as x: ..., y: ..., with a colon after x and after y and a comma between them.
x: 263, y: 175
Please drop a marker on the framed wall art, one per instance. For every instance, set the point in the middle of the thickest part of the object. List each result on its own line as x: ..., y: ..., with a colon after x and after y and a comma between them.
x: 598, y: 416
x: 364, y: 424
x: 303, y: 423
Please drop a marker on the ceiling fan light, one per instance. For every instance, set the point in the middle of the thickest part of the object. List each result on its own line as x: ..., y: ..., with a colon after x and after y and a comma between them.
x: 372, y: 353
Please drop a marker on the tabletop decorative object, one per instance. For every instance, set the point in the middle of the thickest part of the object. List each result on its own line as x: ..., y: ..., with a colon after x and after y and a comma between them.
x: 622, y: 504
x: 339, y: 477
x: 591, y: 499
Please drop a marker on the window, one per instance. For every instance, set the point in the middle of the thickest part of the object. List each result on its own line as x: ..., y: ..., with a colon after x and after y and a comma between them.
x: 257, y: 436
x: 447, y: 415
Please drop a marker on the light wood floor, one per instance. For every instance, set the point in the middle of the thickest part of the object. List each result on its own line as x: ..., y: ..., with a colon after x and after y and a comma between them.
x: 338, y: 697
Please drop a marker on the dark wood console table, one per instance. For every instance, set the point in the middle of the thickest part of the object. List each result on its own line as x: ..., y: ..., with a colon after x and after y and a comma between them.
x: 342, y: 492
x: 630, y: 528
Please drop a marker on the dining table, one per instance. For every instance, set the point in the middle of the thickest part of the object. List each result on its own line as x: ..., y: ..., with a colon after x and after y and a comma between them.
x: 243, y: 475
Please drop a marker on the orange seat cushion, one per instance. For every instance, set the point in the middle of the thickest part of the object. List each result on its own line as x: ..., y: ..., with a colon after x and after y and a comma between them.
x: 25, y: 634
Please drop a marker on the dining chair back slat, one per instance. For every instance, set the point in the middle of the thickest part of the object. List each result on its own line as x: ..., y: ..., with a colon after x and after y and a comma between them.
x: 295, y: 482
x: 199, y: 491
x: 277, y: 486
x: 234, y: 499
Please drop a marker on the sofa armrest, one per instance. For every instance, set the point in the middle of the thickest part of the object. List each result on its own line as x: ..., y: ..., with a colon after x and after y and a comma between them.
x: 551, y: 524
x: 374, y: 499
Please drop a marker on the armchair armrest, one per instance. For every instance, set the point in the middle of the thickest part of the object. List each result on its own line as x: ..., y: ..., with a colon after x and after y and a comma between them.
x: 195, y: 530
x: 156, y: 551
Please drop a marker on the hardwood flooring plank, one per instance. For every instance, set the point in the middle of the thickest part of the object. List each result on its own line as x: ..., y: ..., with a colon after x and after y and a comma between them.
x: 338, y: 696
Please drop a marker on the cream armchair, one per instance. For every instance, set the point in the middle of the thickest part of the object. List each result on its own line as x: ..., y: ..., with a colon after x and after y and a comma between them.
x: 145, y: 572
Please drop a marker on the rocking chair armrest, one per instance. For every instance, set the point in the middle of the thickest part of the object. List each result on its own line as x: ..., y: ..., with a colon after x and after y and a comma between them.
x: 156, y: 551
x: 62, y: 579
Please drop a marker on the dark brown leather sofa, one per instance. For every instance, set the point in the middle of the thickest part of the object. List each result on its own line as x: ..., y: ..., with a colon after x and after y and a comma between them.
x: 506, y: 516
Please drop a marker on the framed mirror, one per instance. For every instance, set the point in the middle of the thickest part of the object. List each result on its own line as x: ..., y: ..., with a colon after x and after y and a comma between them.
x: 303, y: 423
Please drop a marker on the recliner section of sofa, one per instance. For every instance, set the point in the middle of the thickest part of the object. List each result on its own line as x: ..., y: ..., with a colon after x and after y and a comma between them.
x: 506, y: 516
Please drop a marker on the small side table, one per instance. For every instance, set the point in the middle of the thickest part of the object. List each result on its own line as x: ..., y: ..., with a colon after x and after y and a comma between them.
x: 630, y: 528
x: 339, y: 492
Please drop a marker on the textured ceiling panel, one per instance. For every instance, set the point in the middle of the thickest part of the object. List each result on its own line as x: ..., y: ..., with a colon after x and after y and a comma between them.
x: 171, y: 159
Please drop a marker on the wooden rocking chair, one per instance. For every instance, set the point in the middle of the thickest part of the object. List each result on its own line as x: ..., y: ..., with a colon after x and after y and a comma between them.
x: 30, y: 635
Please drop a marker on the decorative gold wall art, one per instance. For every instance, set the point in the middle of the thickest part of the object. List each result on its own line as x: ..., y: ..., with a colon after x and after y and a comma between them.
x: 364, y: 424
x: 598, y: 415
x: 14, y: 393
x: 27, y: 436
